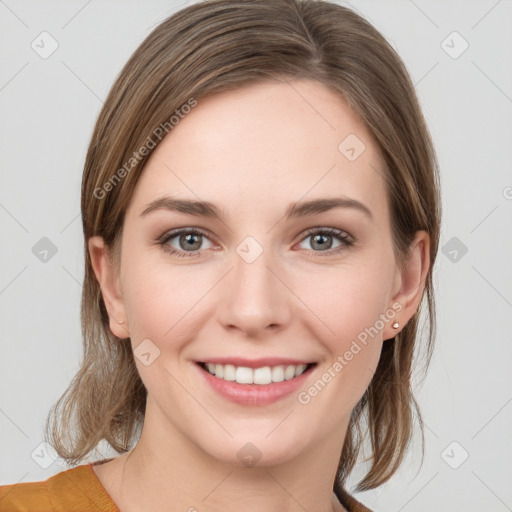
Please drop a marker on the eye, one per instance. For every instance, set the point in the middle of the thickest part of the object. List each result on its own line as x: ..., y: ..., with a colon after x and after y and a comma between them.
x: 188, y: 242
x: 322, y: 240
x: 184, y: 242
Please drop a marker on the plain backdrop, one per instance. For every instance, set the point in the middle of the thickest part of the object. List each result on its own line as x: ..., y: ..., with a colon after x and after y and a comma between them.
x: 459, y: 56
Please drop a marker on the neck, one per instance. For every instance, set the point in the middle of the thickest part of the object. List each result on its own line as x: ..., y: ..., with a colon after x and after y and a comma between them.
x: 166, y: 472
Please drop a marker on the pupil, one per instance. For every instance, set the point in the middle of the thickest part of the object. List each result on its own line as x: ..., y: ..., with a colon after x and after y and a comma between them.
x: 190, y: 240
x: 316, y: 239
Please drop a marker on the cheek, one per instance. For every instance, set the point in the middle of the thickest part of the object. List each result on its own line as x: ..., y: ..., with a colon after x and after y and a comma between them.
x: 351, y: 311
x: 349, y: 315
x: 164, y: 305
x: 161, y: 300
x: 347, y: 300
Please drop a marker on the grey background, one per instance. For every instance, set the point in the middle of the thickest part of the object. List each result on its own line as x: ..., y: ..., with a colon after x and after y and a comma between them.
x: 48, y: 109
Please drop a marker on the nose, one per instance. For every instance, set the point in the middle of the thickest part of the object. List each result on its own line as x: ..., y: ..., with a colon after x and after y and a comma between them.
x: 254, y: 299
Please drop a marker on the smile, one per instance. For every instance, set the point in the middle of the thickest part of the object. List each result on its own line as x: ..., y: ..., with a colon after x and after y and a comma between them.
x: 262, y: 376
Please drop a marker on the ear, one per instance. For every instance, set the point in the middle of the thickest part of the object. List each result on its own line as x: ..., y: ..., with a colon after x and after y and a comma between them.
x: 409, y: 283
x: 108, y: 279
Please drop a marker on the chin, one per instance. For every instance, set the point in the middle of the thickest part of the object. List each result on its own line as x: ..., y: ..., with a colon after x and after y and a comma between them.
x: 254, y: 448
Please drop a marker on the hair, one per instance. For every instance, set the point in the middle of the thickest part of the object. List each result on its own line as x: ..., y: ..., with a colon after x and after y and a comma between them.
x: 222, y: 45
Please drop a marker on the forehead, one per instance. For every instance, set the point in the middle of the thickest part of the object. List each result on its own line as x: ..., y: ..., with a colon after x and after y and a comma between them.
x: 266, y: 144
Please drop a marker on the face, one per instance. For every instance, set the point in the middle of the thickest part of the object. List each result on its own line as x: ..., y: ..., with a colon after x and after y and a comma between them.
x: 255, y: 281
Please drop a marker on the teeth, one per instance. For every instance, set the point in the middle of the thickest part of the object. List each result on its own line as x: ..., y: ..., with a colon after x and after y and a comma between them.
x: 242, y: 376
x: 229, y: 372
x: 289, y: 373
x: 278, y: 374
x: 262, y: 376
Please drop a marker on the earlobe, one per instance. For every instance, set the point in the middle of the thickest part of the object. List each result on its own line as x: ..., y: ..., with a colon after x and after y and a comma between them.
x: 107, y: 277
x: 409, y: 283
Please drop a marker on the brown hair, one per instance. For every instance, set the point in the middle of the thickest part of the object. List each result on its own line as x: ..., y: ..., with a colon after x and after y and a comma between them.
x: 222, y: 45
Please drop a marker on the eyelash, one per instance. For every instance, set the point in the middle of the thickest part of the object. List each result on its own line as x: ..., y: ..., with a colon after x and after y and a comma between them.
x: 347, y: 241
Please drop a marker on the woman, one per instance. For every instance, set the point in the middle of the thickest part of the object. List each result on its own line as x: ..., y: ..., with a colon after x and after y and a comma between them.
x: 261, y: 213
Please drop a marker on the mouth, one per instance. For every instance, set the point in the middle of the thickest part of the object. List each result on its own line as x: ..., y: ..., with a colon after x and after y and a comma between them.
x: 256, y: 375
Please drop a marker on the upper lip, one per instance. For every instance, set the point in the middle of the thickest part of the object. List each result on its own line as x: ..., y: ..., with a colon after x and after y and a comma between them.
x: 255, y: 363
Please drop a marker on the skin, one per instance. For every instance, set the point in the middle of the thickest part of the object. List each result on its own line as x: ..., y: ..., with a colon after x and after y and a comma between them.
x: 252, y: 152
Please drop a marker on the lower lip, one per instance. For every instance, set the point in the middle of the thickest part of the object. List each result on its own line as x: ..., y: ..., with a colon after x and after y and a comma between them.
x: 254, y: 394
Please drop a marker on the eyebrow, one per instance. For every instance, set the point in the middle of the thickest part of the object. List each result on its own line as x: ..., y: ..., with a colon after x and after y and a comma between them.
x: 297, y: 209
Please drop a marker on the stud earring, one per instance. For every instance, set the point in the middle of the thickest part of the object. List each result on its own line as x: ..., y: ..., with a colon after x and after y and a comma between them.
x: 396, y: 325
x: 120, y: 322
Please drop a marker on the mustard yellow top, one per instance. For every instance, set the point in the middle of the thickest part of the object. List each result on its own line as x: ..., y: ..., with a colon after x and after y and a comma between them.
x: 79, y: 490
x: 74, y: 490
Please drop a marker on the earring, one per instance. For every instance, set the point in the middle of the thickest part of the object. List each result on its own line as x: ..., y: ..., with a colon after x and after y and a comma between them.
x: 120, y: 322
x: 396, y: 325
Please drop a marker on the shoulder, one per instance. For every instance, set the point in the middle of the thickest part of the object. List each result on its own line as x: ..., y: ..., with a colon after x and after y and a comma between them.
x: 24, y: 497
x: 76, y: 489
